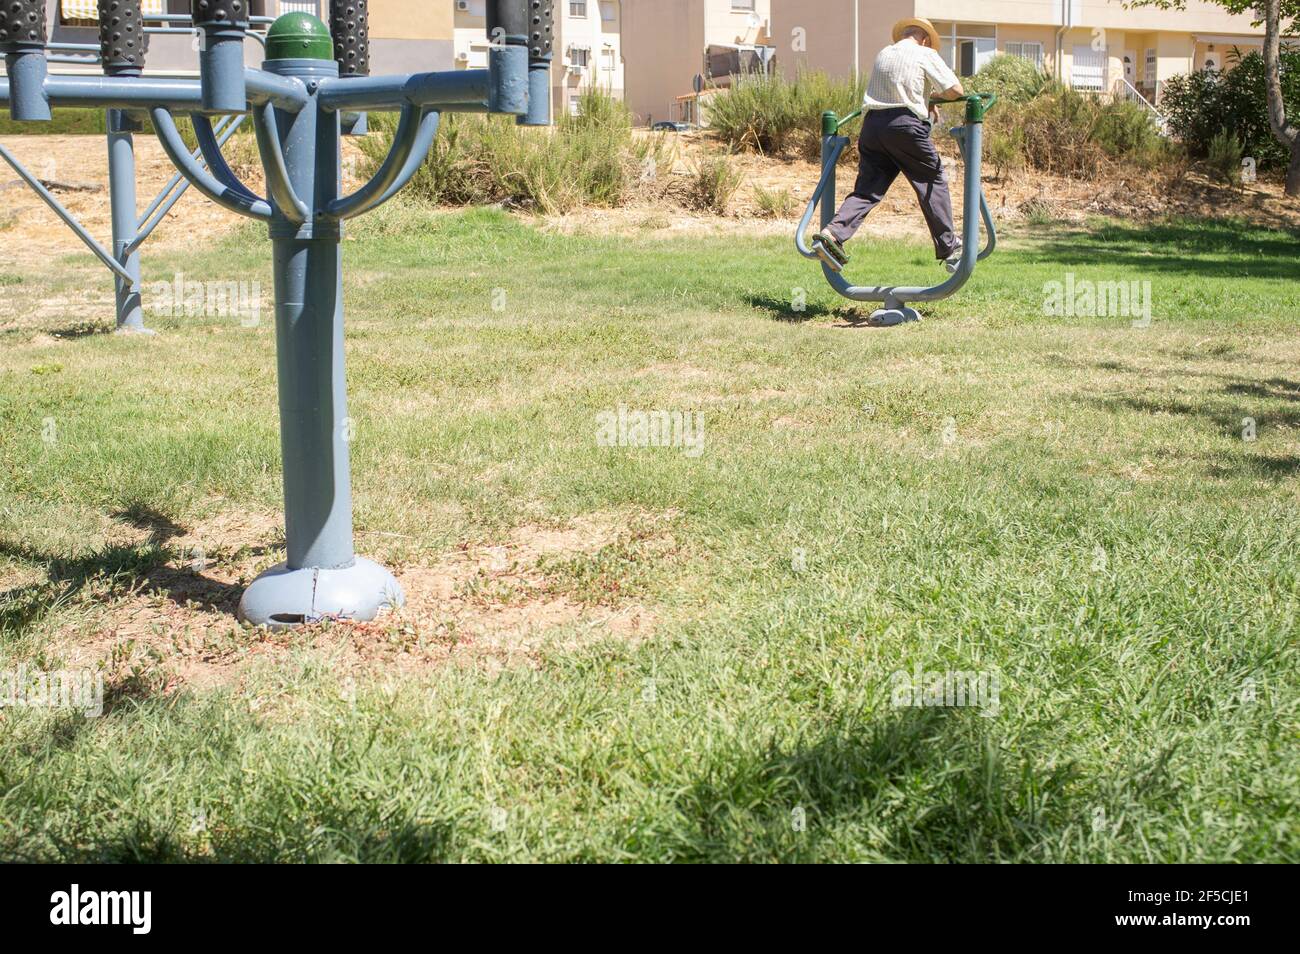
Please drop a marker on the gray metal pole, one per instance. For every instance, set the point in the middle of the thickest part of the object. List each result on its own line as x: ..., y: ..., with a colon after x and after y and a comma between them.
x: 321, y: 575
x: 121, y: 196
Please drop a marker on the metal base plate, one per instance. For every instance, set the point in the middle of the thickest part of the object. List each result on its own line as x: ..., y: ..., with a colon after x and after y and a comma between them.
x: 887, y: 317
x: 281, y: 598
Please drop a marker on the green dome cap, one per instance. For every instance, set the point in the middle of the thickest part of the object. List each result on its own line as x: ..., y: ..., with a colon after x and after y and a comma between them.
x: 299, y: 36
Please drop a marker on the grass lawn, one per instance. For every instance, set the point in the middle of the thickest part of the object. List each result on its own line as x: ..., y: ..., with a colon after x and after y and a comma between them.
x: 1068, y: 506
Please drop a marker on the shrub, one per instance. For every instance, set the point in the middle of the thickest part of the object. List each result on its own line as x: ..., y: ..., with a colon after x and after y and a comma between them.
x: 1014, y: 80
x: 1224, y: 156
x: 780, y: 117
x: 1057, y: 132
x: 1004, y: 148
x: 774, y: 203
x: 1127, y: 131
x: 714, y: 184
x: 588, y: 159
x: 1201, y: 105
x: 1069, y: 133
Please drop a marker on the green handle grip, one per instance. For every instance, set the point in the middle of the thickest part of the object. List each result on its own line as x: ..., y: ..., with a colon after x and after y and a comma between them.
x: 977, y: 104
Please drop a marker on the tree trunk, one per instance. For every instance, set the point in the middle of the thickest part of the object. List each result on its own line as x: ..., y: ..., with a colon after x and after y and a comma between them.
x: 1286, y: 132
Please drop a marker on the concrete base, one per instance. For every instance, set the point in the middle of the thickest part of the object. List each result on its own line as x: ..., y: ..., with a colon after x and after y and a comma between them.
x: 282, y: 598
x: 128, y: 330
x: 886, y: 317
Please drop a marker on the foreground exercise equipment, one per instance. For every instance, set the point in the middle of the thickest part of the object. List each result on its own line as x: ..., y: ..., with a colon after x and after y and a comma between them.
x: 296, y: 100
x: 896, y: 298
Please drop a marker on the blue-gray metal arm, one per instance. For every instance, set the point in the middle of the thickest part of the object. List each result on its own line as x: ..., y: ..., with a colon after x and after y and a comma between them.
x: 415, y: 134
x: 377, y: 93
x: 285, y: 92
x: 100, y: 252
x: 278, y: 186
x: 179, y: 95
x: 199, y: 177
x: 210, y: 150
x: 831, y: 152
x: 167, y: 198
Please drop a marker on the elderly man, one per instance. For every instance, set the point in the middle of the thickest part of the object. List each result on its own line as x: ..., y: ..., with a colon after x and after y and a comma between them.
x: 896, y: 138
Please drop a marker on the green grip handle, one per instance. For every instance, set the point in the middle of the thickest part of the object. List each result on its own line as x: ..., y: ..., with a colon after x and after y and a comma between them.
x: 977, y: 104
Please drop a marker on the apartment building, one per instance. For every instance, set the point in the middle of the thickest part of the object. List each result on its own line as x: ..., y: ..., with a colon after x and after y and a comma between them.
x: 1095, y: 45
x: 405, y: 35
x: 668, y: 43
x: 588, y: 52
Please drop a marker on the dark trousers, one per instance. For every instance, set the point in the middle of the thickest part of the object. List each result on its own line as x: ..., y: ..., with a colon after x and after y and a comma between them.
x: 894, y: 141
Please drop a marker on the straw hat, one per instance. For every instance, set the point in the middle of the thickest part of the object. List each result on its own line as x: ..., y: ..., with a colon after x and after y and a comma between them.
x: 921, y: 22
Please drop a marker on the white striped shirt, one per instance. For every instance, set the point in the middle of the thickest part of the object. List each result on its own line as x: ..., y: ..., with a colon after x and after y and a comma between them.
x: 901, y: 74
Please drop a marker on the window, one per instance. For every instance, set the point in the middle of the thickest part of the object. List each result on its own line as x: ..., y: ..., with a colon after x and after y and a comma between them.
x: 1151, y: 68
x: 575, y: 106
x: 743, y: 6
x: 607, y: 60
x: 966, y: 47
x: 607, y: 12
x: 1033, y: 52
x: 578, y: 8
x: 1088, y: 69
x: 579, y: 56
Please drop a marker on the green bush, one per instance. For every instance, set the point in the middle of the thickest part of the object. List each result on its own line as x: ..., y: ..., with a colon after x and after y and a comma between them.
x: 775, y: 203
x: 1068, y: 133
x: 777, y: 116
x: 591, y: 159
x: 1126, y: 131
x: 1224, y: 156
x: 714, y: 184
x: 1013, y: 79
x: 1201, y: 105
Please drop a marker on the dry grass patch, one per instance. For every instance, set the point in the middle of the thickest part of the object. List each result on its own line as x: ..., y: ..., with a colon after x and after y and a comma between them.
x: 498, y: 604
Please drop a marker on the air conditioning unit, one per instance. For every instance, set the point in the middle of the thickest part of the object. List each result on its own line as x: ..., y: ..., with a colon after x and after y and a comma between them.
x: 462, y: 6
x: 462, y: 57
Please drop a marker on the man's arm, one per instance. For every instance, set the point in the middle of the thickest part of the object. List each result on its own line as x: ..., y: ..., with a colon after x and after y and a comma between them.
x: 942, y: 77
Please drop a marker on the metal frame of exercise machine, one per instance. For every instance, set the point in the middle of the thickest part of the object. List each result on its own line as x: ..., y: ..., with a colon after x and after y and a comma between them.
x: 896, y: 299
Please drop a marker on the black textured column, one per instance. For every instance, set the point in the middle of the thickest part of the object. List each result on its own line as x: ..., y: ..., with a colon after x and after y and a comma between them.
x: 121, y: 37
x: 507, y: 21
x: 232, y: 12
x: 541, y: 37
x: 22, y: 25
x: 350, y: 31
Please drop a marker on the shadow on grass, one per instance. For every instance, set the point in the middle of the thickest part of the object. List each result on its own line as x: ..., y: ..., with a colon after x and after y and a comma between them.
x: 113, y: 568
x: 1224, y: 419
x: 781, y: 310
x: 1211, y: 248
x: 892, y: 777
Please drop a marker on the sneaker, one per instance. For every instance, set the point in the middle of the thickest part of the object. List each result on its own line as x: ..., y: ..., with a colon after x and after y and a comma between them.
x: 953, y: 260
x: 830, y: 250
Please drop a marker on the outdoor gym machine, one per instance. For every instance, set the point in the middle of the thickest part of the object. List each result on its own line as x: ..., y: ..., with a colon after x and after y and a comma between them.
x: 896, y: 298
x: 123, y: 35
x: 310, y: 77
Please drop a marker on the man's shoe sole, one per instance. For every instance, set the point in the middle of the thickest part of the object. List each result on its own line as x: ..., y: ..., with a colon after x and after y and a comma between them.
x: 828, y: 259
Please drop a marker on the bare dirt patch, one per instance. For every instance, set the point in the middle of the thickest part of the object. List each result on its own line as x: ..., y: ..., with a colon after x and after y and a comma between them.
x: 493, y: 605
